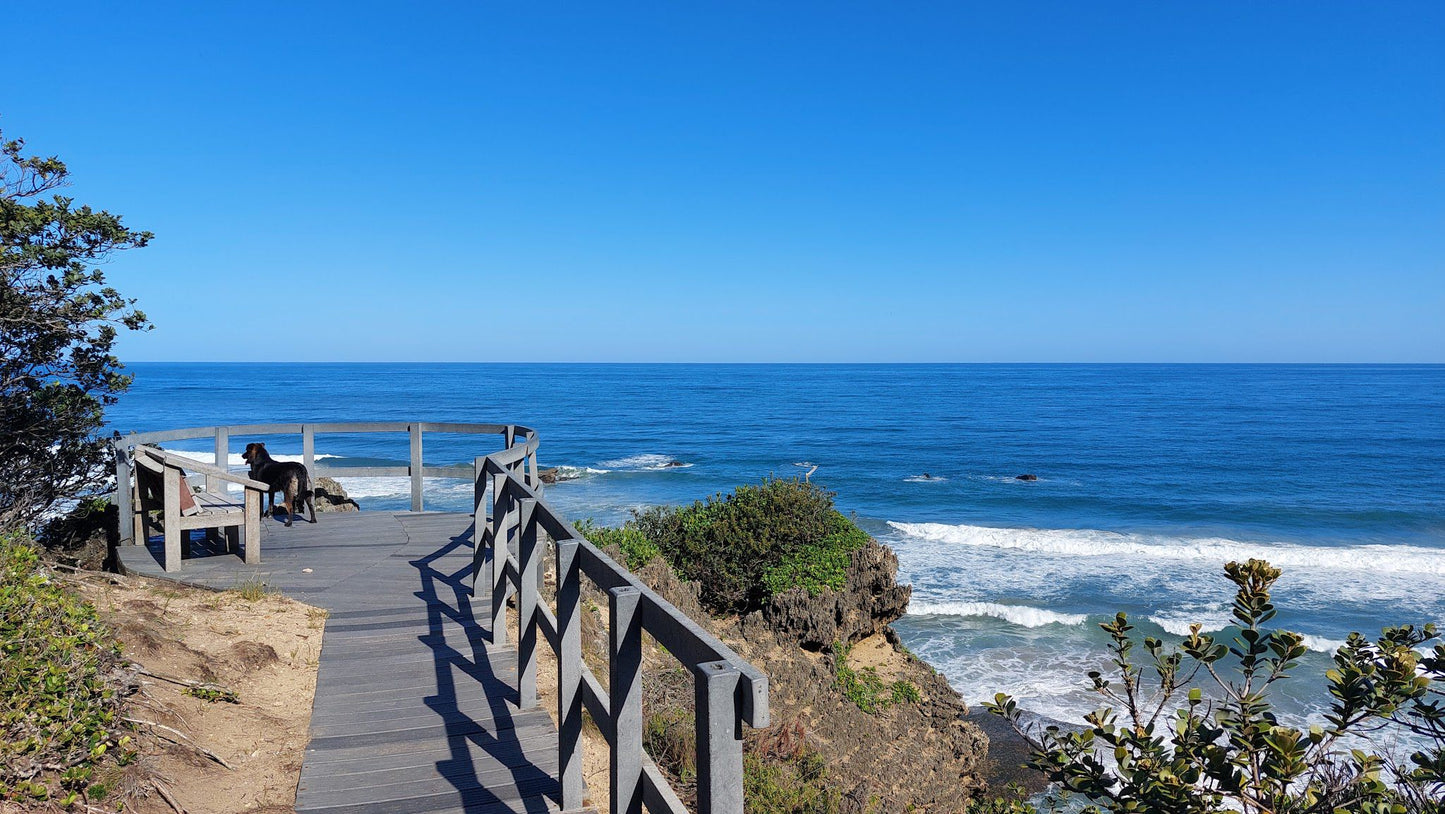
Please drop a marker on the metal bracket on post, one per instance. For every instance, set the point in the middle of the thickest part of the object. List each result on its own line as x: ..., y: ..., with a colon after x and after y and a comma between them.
x: 624, y: 688
x: 719, y: 738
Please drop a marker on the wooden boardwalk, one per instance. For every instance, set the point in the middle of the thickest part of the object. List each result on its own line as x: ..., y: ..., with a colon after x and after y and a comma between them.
x: 413, y: 712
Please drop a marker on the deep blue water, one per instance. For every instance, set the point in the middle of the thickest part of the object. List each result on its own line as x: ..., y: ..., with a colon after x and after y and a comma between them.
x: 1150, y: 478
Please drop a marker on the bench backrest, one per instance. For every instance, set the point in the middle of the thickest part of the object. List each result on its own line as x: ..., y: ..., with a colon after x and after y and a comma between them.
x: 150, y: 482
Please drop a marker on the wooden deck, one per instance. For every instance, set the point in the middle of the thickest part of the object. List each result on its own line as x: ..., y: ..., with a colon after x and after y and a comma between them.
x: 413, y: 712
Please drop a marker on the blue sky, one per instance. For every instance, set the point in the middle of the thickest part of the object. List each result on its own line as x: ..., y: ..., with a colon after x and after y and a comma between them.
x: 1223, y: 182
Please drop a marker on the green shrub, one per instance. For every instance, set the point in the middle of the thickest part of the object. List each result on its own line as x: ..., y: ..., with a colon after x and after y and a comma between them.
x: 760, y: 540
x: 637, y: 550
x: 59, y: 702
x: 1174, y: 750
x: 798, y: 785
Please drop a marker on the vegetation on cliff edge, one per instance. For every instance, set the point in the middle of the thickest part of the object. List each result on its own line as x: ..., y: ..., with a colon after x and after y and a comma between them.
x: 61, y: 681
x: 746, y: 546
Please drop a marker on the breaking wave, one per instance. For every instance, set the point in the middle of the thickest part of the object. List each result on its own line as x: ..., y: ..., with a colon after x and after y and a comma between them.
x: 1397, y: 559
x: 1022, y: 615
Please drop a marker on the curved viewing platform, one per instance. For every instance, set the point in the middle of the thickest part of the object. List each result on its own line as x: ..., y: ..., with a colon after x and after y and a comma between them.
x: 425, y: 702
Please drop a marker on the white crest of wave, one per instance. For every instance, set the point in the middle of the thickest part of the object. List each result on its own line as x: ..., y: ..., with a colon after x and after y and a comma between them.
x: 1320, y: 643
x: 1178, y: 624
x: 646, y: 461
x: 234, y: 460
x: 929, y: 479
x: 1402, y: 559
x: 1022, y: 615
x: 574, y: 472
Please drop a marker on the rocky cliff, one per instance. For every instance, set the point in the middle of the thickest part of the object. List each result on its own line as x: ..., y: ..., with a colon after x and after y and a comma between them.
x: 886, y: 729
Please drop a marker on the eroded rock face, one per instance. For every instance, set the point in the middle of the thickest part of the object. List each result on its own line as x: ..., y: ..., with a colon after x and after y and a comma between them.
x: 912, y: 756
x: 331, y: 497
x: 868, y: 603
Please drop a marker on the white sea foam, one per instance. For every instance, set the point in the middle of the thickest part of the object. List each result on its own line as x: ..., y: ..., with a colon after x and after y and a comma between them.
x: 1374, y: 559
x: 646, y: 462
x: 922, y: 479
x: 565, y: 473
x: 1015, y: 614
x: 1178, y: 623
x: 234, y: 460
x: 1321, y: 644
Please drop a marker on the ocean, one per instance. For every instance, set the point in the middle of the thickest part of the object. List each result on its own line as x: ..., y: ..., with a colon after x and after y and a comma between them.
x: 1149, y: 479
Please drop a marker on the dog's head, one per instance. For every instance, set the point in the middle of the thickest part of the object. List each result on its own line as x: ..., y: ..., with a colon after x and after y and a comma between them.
x: 254, y: 453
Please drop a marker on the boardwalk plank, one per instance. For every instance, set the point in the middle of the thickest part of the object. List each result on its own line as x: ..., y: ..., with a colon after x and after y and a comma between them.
x: 413, y: 712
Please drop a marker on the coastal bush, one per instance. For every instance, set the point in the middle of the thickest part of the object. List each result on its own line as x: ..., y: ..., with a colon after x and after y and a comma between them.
x: 60, y: 321
x: 1171, y: 749
x: 761, y: 539
x: 637, y: 550
x: 783, y: 774
x: 60, y: 682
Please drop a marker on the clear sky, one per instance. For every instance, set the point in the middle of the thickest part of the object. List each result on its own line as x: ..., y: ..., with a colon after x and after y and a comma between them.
x: 1116, y: 181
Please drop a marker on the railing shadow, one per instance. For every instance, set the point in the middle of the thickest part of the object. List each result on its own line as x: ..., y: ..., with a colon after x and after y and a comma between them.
x: 448, y: 599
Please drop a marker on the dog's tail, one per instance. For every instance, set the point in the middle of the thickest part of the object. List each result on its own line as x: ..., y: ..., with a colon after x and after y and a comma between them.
x: 307, y: 494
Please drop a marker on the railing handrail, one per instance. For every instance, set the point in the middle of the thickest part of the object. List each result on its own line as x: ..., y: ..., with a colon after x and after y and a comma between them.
x: 416, y: 470
x: 728, y: 691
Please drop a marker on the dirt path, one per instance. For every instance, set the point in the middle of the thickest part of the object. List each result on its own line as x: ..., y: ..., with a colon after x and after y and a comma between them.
x: 260, y: 646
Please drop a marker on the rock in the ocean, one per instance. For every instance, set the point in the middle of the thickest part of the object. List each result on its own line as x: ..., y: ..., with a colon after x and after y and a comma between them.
x: 548, y: 475
x: 1027, y: 477
x: 331, y: 497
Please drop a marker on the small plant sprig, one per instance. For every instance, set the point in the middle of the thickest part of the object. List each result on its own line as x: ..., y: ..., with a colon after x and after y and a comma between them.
x: 1231, y: 752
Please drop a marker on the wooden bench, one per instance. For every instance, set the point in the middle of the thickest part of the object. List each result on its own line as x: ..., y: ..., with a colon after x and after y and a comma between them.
x: 160, y: 486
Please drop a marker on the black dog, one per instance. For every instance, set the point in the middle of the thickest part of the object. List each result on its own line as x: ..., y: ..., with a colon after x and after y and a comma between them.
x: 287, y: 477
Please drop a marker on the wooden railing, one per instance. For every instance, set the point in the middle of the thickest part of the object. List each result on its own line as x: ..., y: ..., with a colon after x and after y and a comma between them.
x: 513, y: 530
x: 415, y: 470
x: 728, y: 691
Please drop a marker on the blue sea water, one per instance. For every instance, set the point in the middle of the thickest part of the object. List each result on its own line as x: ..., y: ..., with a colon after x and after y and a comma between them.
x: 1150, y: 478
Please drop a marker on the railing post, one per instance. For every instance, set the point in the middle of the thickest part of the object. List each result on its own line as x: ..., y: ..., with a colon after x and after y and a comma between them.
x: 527, y: 558
x: 308, y: 452
x: 719, y: 738
x: 122, y: 499
x: 624, y: 689
x: 215, y: 485
x: 481, y: 531
x: 501, y: 552
x: 171, y: 485
x: 509, y: 435
x: 416, y: 467
x: 569, y: 674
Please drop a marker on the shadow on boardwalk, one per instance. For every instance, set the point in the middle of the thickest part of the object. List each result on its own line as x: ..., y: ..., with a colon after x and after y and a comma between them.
x: 446, y: 594
x: 414, y: 711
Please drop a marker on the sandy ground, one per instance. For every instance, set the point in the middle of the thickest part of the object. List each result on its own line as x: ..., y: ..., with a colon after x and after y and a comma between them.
x: 262, y: 647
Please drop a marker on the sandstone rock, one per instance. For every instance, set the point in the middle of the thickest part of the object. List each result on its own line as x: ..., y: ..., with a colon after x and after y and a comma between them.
x: 548, y: 475
x: 331, y: 497
x: 868, y: 603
